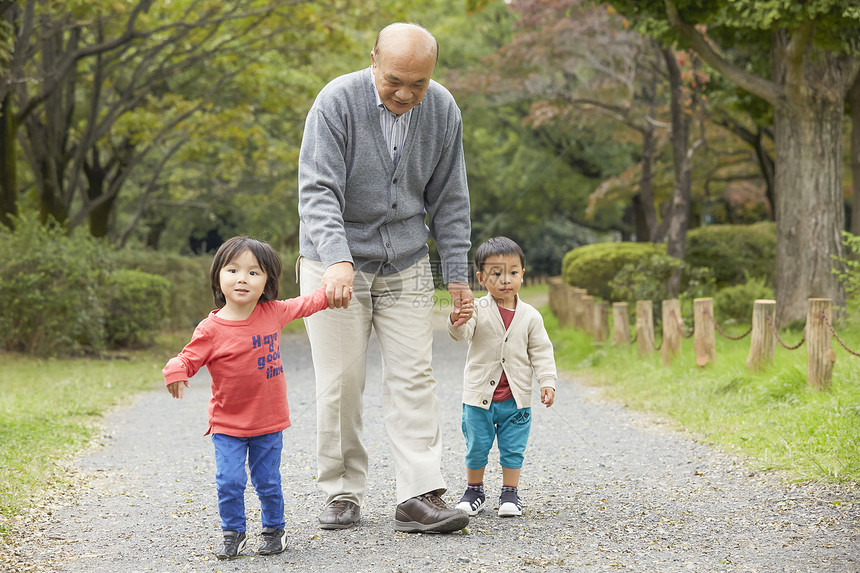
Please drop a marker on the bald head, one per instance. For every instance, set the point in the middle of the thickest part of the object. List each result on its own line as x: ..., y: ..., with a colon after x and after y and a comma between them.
x: 404, y: 57
x: 406, y: 40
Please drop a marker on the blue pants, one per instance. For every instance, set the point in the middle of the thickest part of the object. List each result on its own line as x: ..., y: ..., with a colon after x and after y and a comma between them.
x: 264, y: 458
x: 502, y: 422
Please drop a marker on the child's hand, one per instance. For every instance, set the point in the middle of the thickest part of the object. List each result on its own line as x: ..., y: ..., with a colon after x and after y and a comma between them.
x: 462, y: 314
x: 547, y: 396
x: 176, y: 388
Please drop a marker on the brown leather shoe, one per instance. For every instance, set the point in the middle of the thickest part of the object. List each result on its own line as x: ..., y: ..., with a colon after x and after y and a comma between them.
x: 339, y: 514
x: 428, y: 513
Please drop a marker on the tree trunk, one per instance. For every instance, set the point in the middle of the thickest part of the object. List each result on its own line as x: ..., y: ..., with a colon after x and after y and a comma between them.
x: 767, y: 168
x: 810, y: 213
x: 809, y: 209
x: 646, y: 187
x: 8, y: 166
x: 101, y: 215
x: 854, y: 103
x: 8, y: 128
x: 679, y: 210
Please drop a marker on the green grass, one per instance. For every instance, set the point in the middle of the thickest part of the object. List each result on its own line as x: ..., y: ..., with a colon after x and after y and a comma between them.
x: 50, y: 409
x: 771, y: 417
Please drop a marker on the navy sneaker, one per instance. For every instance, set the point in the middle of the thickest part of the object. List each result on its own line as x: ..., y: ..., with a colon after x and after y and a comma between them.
x: 509, y: 503
x: 473, y: 500
x: 232, y: 545
x: 274, y: 541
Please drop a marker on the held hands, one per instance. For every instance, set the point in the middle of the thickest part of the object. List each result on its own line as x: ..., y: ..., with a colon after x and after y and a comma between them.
x: 337, y: 280
x: 547, y: 396
x: 464, y: 312
x: 176, y: 388
x: 462, y: 299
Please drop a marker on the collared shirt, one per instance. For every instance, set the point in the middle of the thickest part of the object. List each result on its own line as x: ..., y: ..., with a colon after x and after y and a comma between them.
x: 394, y: 127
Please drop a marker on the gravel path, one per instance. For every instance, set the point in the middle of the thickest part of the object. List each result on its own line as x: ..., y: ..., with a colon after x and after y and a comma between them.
x: 603, y: 488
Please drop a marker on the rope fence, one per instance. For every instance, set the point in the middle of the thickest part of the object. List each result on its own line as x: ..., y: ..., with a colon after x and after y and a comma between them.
x: 775, y: 333
x: 574, y: 307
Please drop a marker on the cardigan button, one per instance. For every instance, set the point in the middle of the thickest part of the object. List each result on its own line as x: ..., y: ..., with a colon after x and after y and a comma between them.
x: 484, y: 402
x: 492, y: 382
x: 503, y: 360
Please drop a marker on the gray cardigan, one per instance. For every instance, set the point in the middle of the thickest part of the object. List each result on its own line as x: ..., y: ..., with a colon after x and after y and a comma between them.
x: 354, y: 205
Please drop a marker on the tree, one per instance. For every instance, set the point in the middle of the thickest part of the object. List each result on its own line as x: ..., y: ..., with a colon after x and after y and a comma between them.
x: 577, y: 73
x: 854, y: 105
x: 119, y: 97
x: 814, y: 53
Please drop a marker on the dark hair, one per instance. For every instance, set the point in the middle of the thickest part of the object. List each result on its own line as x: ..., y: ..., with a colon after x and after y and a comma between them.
x: 498, y: 246
x: 266, y: 256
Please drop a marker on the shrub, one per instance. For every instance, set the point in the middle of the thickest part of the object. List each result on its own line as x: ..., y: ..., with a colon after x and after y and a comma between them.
x: 190, y: 296
x: 735, y: 303
x: 136, y: 306
x: 849, y: 272
x: 49, y: 290
x: 735, y: 253
x: 648, y: 278
x: 645, y: 279
x: 593, y: 267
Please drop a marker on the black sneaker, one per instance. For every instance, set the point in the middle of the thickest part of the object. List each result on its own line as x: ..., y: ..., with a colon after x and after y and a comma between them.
x: 274, y: 541
x: 509, y: 503
x: 232, y: 545
x: 473, y: 501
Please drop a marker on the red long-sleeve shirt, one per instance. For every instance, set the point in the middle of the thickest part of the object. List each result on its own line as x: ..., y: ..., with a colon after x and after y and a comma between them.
x: 249, y: 390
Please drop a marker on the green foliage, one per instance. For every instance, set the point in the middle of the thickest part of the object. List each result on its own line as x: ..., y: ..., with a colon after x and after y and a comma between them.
x: 735, y: 303
x: 136, y: 307
x: 66, y: 294
x: 849, y: 273
x: 593, y: 267
x: 645, y: 279
x: 733, y: 252
x: 49, y: 290
x: 190, y: 294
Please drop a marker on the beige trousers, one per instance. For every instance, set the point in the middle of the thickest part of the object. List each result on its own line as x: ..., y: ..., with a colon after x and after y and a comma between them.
x: 399, y: 309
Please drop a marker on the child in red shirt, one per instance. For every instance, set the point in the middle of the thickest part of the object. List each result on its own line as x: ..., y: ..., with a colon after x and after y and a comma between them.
x: 239, y: 343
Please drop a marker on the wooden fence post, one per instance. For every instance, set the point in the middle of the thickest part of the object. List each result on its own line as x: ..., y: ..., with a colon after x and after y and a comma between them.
x: 762, y: 341
x: 577, y: 310
x: 578, y: 303
x: 620, y: 323
x: 704, y: 337
x: 601, y: 320
x: 557, y: 300
x: 645, y: 326
x: 821, y: 355
x: 569, y: 304
x: 671, y: 345
x: 586, y: 303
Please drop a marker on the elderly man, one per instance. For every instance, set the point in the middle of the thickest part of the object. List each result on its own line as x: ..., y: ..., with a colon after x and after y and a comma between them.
x: 381, y: 170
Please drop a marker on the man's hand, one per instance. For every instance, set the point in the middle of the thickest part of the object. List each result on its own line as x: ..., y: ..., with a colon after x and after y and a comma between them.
x: 461, y: 296
x: 464, y: 313
x: 337, y: 280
